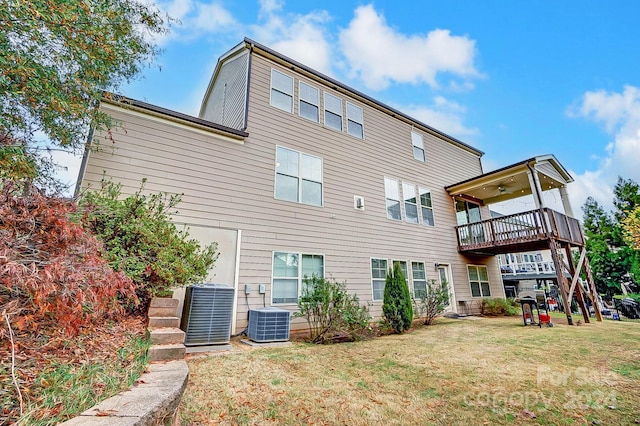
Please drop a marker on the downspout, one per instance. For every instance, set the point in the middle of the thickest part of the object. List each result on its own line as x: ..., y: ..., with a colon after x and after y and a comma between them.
x: 246, y: 103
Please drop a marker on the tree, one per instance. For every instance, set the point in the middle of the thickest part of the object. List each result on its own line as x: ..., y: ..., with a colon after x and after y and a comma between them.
x: 396, y: 305
x: 57, y: 58
x: 631, y: 227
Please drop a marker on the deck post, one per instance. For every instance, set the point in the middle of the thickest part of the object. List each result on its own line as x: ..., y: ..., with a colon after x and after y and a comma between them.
x: 565, y: 201
x: 561, y: 279
x: 574, y: 277
x: 592, y: 288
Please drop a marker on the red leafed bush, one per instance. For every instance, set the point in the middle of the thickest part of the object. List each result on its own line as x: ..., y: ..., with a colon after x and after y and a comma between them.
x: 51, y: 271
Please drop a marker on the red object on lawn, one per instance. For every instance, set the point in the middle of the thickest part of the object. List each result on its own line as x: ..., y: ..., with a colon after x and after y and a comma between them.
x: 544, y: 318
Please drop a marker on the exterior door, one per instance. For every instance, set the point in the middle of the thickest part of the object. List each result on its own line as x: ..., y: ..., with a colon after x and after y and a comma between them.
x: 444, y: 274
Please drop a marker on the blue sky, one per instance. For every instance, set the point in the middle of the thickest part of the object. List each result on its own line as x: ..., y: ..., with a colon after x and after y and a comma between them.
x: 514, y: 79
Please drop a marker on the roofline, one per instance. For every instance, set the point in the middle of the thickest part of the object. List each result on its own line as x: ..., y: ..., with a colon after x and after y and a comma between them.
x: 124, y: 102
x: 549, y: 157
x: 272, y: 54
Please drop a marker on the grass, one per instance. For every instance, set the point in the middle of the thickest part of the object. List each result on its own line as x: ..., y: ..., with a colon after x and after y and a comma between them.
x: 489, y: 371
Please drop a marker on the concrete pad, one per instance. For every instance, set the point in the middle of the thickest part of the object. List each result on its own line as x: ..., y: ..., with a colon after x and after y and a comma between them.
x: 265, y: 344
x: 209, y: 348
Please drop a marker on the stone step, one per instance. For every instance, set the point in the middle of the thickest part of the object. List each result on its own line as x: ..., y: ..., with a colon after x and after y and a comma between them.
x: 164, y: 302
x: 165, y: 335
x: 166, y: 352
x: 157, y: 322
x: 163, y: 307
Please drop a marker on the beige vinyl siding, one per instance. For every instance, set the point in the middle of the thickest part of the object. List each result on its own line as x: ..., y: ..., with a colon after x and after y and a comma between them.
x: 231, y: 185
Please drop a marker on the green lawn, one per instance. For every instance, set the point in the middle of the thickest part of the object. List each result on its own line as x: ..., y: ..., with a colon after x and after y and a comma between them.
x: 485, y: 371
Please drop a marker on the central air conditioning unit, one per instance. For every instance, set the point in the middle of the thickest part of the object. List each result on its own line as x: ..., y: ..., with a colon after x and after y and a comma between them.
x: 268, y: 325
x: 207, y: 313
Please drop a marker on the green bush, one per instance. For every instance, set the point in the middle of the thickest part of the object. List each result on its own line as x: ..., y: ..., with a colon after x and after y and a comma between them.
x: 141, y: 240
x: 498, y: 307
x: 332, y: 313
x: 396, y: 306
x: 433, y: 302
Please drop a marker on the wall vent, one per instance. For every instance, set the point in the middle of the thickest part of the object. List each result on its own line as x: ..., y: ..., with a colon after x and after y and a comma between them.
x: 268, y: 325
x: 207, y: 313
x: 358, y: 202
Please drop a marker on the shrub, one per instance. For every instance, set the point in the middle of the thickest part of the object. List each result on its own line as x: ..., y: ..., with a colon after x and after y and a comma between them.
x: 396, y: 306
x: 497, y: 307
x: 434, y: 301
x: 331, y: 312
x: 141, y: 240
x: 51, y: 270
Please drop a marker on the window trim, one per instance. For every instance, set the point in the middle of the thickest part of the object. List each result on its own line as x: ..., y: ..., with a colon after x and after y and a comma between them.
x: 421, y: 148
x: 271, y: 89
x: 299, y: 177
x: 299, y: 277
x: 300, y: 101
x: 361, y: 123
x: 479, y: 281
x: 341, y: 115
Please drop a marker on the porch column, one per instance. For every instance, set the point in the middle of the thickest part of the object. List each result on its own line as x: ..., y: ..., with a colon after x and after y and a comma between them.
x: 536, y: 189
x: 564, y: 196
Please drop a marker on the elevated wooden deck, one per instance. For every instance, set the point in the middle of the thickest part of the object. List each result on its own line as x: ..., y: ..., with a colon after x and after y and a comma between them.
x: 519, y: 232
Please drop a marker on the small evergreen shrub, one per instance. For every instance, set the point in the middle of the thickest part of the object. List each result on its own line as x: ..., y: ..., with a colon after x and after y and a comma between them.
x: 396, y: 306
x: 331, y: 312
x: 498, y: 307
x: 433, y: 302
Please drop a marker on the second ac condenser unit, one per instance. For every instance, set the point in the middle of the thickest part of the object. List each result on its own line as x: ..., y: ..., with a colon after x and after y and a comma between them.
x: 207, y: 313
x: 268, y: 325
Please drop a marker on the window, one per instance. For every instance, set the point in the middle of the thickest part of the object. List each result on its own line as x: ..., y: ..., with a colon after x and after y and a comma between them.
x: 418, y: 146
x: 354, y: 121
x: 309, y: 102
x: 419, y: 280
x: 333, y: 111
x: 410, y: 202
x: 426, y: 207
x: 479, y: 281
x: 403, y: 267
x: 281, y: 91
x: 298, y: 177
x: 392, y: 195
x: 289, y: 271
x: 378, y: 277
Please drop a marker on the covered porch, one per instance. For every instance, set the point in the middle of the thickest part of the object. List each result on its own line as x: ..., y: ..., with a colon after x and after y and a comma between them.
x: 539, y: 229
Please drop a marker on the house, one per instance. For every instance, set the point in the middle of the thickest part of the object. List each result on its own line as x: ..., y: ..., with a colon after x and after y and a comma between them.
x: 294, y: 173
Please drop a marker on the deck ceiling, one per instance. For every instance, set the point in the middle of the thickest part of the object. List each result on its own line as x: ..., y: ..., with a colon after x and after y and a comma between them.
x: 512, y: 181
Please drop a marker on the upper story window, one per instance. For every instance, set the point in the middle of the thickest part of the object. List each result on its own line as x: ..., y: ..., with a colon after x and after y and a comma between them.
x: 333, y: 111
x: 479, y: 281
x: 354, y: 121
x: 281, y: 91
x: 309, y: 106
x: 418, y: 146
x: 392, y: 196
x: 426, y: 207
x: 298, y: 177
x: 289, y: 272
x: 410, y: 202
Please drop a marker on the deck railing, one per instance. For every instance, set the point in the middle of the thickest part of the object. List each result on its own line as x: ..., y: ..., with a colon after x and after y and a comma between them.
x: 519, y: 228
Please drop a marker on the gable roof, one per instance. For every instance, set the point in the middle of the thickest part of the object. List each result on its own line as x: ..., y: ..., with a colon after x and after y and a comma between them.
x: 309, y: 72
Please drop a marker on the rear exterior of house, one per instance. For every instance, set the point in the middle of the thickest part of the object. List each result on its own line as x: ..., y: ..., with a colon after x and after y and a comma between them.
x: 293, y: 173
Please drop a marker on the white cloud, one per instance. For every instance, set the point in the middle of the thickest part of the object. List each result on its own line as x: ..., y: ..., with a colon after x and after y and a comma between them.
x: 444, y: 115
x: 195, y: 19
x: 380, y: 55
x: 619, y: 114
x: 300, y: 37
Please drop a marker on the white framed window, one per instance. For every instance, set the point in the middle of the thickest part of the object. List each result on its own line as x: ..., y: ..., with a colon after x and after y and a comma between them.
x: 479, y: 281
x: 298, y: 177
x: 410, y: 203
x: 309, y: 103
x: 281, y: 91
x: 419, y: 277
x: 418, y: 146
x: 332, y: 111
x: 426, y: 207
x: 289, y: 271
x: 378, y: 277
x: 355, y: 125
x: 403, y: 267
x: 392, y: 196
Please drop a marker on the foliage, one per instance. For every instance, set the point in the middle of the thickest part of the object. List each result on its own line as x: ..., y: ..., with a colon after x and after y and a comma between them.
x: 631, y: 228
x: 612, y: 259
x: 51, y: 270
x: 433, y: 302
x: 331, y: 312
x: 141, y: 240
x: 497, y: 307
x: 396, y: 306
x: 57, y: 57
